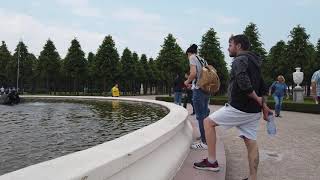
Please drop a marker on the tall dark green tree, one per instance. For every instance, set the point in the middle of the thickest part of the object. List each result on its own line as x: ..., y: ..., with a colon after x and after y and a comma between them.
x: 172, y: 61
x: 153, y: 75
x: 49, y: 65
x: 128, y: 71
x: 5, y: 58
x: 161, y: 78
x: 140, y: 72
x: 252, y: 32
x: 210, y: 50
x: 277, y: 63
x: 25, y: 67
x: 75, y: 66
x: 310, y: 67
x: 135, y: 61
x: 92, y: 69
x: 301, y: 53
x: 34, y: 74
x: 107, y: 63
x: 317, y: 59
x: 143, y: 72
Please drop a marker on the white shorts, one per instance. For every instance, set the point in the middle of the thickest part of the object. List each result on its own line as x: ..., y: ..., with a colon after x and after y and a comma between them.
x: 228, y: 117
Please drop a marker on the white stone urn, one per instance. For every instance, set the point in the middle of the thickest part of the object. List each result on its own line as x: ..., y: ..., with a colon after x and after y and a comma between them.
x: 298, y: 77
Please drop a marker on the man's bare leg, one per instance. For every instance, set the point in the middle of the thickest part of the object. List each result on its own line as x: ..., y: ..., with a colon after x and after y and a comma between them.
x: 210, y: 131
x: 211, y: 162
x: 253, y: 157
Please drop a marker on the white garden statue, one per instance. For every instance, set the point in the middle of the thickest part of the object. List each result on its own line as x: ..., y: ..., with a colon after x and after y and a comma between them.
x: 298, y: 77
x: 298, y: 91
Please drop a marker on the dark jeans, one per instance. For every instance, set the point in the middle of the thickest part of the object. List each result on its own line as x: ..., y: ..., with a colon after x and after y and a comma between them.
x: 278, y: 103
x: 200, y: 104
x: 177, y: 98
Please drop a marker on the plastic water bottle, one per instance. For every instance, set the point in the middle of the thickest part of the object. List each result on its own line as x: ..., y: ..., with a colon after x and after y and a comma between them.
x: 271, y: 125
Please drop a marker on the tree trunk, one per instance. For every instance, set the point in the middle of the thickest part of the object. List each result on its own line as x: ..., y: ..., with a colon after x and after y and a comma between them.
x: 104, y: 85
x: 54, y: 87
x: 308, y: 89
x: 145, y: 88
x: 22, y: 86
x: 74, y: 86
x: 47, y: 83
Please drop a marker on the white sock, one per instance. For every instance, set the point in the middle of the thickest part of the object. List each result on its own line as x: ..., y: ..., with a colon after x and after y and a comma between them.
x: 211, y: 160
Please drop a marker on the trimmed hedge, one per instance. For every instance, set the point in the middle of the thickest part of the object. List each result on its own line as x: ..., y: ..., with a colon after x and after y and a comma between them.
x: 286, y: 106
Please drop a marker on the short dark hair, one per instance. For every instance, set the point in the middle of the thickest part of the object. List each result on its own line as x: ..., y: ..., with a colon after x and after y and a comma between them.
x: 242, y: 40
x: 193, y: 49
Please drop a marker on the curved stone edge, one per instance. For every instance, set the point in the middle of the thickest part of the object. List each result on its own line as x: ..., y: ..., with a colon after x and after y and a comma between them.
x: 154, y: 152
x: 187, y: 172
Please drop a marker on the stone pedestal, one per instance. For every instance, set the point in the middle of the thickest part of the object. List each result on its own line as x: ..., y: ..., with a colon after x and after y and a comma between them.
x: 298, y: 94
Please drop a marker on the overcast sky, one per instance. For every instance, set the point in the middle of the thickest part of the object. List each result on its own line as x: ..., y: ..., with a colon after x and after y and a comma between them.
x: 141, y: 25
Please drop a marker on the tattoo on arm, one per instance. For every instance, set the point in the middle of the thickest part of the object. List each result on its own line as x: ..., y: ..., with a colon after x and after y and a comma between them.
x: 256, y: 163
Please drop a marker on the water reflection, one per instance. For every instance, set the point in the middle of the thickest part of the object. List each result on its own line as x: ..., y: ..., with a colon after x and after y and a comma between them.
x: 33, y: 132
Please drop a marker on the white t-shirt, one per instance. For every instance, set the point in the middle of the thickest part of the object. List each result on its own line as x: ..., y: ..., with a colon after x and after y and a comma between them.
x: 195, y: 61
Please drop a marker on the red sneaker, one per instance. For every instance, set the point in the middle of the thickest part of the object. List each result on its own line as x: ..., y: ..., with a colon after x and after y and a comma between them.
x: 206, y: 165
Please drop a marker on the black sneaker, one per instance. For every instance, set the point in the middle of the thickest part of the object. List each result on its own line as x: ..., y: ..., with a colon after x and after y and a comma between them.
x: 206, y: 165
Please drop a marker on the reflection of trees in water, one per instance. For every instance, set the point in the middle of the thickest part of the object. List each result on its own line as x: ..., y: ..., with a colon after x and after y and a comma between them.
x: 115, y: 117
x: 128, y: 115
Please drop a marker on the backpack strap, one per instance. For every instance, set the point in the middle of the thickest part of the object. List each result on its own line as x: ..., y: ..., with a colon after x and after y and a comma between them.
x: 203, y: 63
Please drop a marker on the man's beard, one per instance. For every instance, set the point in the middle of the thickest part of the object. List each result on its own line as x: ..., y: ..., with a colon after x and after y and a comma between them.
x: 232, y: 54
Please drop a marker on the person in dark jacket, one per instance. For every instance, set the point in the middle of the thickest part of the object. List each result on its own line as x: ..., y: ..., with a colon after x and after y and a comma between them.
x: 177, y: 88
x: 188, y: 98
x: 245, y: 91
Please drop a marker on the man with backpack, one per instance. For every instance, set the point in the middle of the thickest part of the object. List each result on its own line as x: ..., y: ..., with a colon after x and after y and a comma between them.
x: 245, y: 91
x: 200, y: 98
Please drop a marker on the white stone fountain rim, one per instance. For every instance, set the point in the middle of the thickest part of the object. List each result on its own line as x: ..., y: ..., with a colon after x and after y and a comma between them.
x: 113, y: 156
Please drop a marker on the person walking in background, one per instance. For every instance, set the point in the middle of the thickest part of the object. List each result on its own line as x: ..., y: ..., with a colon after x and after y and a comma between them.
x: 188, y: 98
x: 200, y: 99
x: 278, y: 89
x: 115, y: 90
x: 2, y: 90
x: 177, y: 89
x: 315, y: 85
